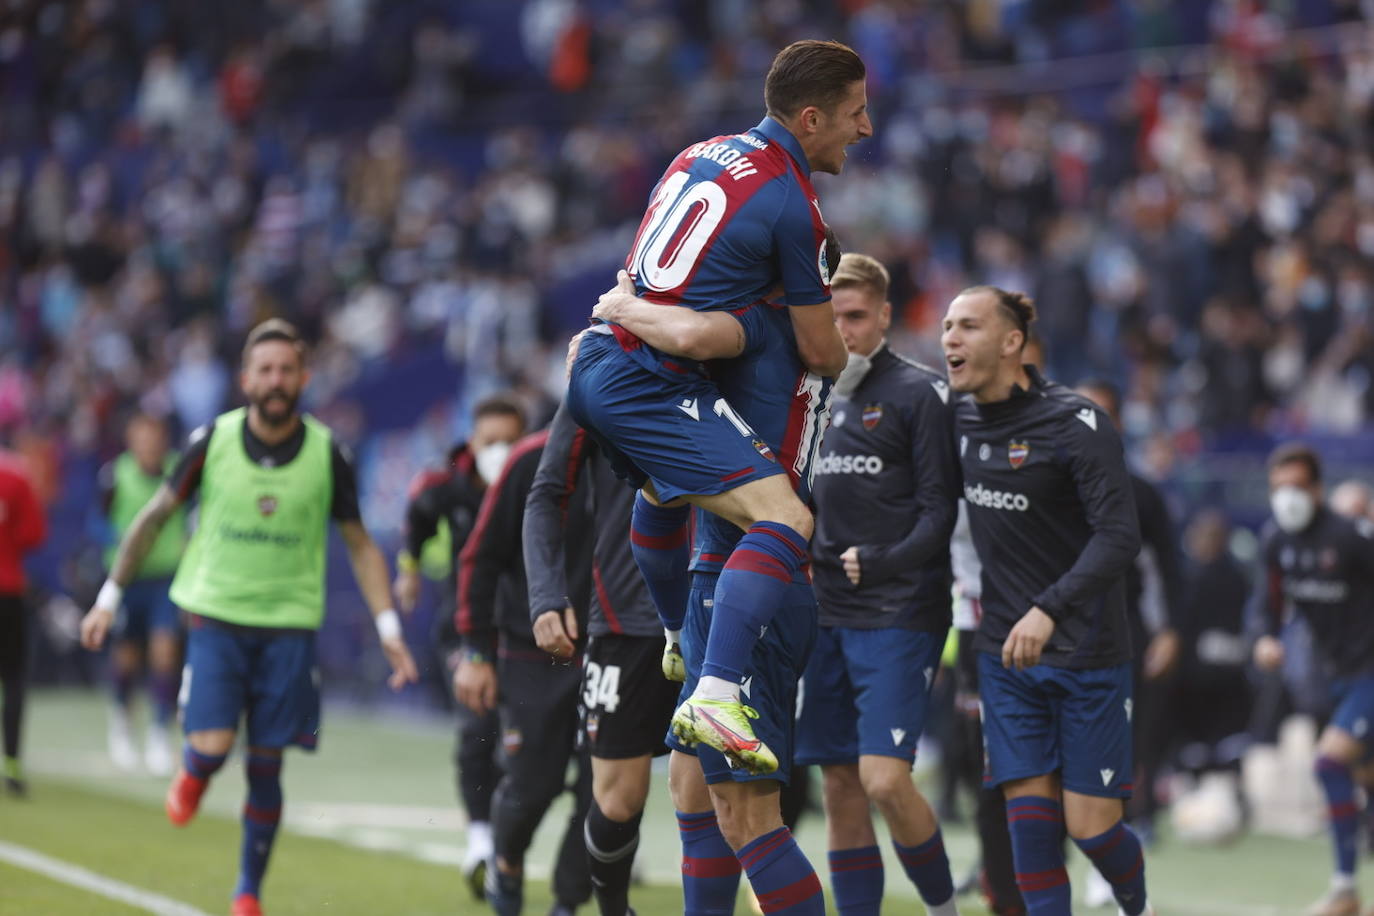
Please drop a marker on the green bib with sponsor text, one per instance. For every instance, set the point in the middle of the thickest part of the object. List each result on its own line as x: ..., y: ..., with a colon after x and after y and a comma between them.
x: 257, y: 558
x: 133, y: 490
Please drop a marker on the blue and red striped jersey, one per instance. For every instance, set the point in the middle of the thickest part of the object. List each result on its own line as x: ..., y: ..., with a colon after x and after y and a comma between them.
x: 733, y: 221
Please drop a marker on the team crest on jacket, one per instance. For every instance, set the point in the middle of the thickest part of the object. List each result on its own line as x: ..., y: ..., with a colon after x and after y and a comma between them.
x: 593, y: 726
x: 1017, y: 452
x: 872, y: 415
x: 762, y: 448
x: 267, y: 504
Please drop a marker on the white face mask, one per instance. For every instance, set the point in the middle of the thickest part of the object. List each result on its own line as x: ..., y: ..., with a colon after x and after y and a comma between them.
x: 491, y: 460
x: 852, y: 376
x: 1293, y: 508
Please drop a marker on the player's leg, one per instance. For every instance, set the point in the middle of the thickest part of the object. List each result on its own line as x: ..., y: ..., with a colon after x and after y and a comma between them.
x: 1022, y: 750
x: 535, y: 750
x: 747, y: 806
x: 1094, y: 721
x: 283, y: 710
x: 892, y: 672
x: 856, y: 862
x: 1339, y: 750
x: 659, y: 540
x: 625, y: 708
x: 572, y: 880
x: 214, y: 694
x: 13, y: 655
x: 710, y: 871
x: 129, y: 636
x: 164, y: 664
x: 475, y: 752
x: 779, y: 873
x: 828, y: 736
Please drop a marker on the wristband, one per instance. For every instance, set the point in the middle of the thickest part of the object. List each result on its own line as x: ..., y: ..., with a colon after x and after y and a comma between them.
x: 388, y: 625
x: 110, y: 597
x: 475, y: 657
x: 406, y: 562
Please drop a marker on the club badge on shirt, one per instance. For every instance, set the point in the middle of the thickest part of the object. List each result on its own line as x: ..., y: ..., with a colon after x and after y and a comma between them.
x: 1017, y: 452
x: 267, y: 504
x: 873, y: 415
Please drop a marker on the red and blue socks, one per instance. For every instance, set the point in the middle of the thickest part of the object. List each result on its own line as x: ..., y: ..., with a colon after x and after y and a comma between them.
x: 201, y: 767
x: 660, y: 543
x: 1118, y: 857
x: 1339, y: 785
x: 748, y: 593
x: 856, y: 880
x: 927, y: 865
x: 1037, y: 833
x: 611, y: 849
x: 782, y: 878
x: 261, y: 814
x: 710, y: 871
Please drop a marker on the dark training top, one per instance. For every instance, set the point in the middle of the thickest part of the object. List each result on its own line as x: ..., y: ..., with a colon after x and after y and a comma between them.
x: 1053, y: 520
x: 1326, y: 571
x: 620, y: 602
x: 493, y: 550
x: 887, y: 482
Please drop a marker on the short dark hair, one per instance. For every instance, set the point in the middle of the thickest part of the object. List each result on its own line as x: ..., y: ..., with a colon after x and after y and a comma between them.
x: 1298, y: 453
x: 274, y: 329
x: 1018, y: 307
x: 810, y: 73
x: 499, y: 405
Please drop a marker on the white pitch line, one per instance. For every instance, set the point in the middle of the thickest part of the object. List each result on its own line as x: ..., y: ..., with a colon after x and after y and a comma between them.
x: 76, y: 876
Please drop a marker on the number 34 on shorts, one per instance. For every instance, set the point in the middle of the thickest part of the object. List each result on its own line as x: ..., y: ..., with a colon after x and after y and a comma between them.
x: 601, y: 687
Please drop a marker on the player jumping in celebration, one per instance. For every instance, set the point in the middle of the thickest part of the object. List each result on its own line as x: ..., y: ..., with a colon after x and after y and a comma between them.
x: 732, y: 219
x: 252, y: 582
x: 1050, y: 510
x: 149, y: 624
x: 730, y: 819
x: 886, y: 502
x: 1322, y: 564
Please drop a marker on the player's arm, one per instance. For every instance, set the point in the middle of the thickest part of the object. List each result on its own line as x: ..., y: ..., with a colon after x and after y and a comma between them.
x: 1264, y: 611
x: 369, y: 568
x: 421, y: 523
x: 674, y: 329
x: 1104, y: 490
x: 1157, y: 532
x: 489, y: 550
x: 803, y: 243
x: 30, y: 528
x: 138, y: 540
x: 936, y: 467
x: 546, y: 515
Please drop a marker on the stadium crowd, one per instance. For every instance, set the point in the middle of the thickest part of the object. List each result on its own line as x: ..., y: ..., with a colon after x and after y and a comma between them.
x: 1191, y: 202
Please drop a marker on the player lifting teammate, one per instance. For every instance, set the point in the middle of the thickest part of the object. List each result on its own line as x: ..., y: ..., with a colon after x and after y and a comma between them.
x: 1054, y: 525
x: 252, y: 582
x: 732, y: 219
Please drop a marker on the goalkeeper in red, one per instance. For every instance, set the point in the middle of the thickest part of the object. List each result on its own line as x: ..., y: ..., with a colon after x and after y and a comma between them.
x: 252, y: 583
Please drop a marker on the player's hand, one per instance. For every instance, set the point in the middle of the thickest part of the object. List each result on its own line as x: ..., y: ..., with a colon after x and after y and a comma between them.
x: 850, y: 559
x: 1162, y: 655
x: 403, y: 670
x: 1268, y: 653
x: 555, y: 633
x: 475, y: 685
x: 608, y: 307
x: 407, y: 589
x: 94, y: 627
x: 1027, y: 640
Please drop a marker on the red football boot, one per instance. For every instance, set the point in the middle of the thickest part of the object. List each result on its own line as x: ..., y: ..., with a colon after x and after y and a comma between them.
x: 183, y: 798
x: 246, y: 905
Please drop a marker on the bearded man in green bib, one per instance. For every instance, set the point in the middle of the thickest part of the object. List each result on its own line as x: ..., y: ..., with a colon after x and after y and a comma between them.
x: 252, y: 584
